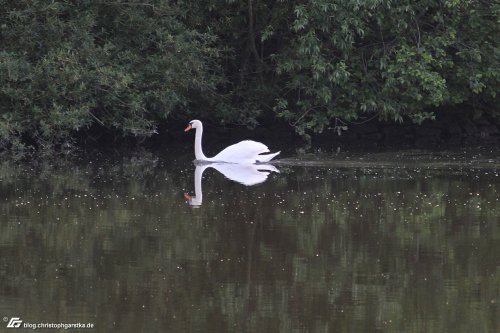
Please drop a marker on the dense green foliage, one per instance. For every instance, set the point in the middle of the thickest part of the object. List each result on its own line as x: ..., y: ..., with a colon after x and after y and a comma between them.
x: 391, y: 58
x: 129, y: 66
x: 65, y: 67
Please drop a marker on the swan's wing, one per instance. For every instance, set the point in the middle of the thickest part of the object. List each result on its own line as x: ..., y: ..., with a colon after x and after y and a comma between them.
x: 246, y: 151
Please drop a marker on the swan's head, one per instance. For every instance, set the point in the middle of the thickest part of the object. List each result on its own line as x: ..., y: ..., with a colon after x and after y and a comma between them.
x: 193, y: 124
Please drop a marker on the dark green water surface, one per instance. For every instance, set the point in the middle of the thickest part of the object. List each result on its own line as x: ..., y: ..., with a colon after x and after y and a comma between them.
x: 390, y: 242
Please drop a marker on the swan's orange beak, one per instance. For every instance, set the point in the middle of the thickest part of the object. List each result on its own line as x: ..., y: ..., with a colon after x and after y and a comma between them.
x: 188, y: 128
x: 187, y: 197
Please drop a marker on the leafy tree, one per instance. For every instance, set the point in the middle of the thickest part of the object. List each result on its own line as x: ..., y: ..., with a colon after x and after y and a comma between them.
x: 393, y: 59
x: 120, y: 65
x: 128, y: 66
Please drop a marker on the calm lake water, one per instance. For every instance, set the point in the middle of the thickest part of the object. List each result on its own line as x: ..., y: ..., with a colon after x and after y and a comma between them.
x: 349, y: 242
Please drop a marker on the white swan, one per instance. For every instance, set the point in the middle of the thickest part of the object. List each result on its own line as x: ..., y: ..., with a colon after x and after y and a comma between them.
x: 244, y: 152
x: 248, y: 175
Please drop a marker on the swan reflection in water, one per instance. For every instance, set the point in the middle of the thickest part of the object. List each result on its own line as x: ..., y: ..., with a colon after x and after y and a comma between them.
x: 246, y: 174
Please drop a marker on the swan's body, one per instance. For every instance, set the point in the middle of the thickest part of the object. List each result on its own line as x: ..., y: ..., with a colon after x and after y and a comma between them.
x: 244, y: 152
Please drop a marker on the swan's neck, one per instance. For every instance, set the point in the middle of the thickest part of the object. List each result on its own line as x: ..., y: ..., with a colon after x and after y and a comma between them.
x: 198, y: 151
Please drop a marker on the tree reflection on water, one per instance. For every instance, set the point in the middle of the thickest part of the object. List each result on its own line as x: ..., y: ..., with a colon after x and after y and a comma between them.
x: 315, y: 248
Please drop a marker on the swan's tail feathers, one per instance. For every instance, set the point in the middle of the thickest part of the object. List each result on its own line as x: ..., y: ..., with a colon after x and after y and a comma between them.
x: 267, y: 157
